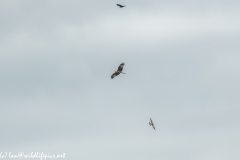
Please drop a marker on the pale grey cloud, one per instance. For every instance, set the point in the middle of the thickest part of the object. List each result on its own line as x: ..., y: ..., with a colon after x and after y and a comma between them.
x: 56, y: 59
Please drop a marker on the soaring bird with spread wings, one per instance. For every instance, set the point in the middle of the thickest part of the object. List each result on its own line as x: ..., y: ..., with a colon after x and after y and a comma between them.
x: 120, y: 6
x: 151, y: 124
x: 120, y: 68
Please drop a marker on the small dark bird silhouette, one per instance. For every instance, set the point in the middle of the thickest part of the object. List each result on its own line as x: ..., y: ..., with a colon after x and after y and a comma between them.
x: 120, y: 6
x: 120, y: 68
x: 151, y: 124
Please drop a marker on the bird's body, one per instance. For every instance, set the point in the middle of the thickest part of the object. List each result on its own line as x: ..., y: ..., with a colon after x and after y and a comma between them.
x: 120, y: 6
x: 151, y: 124
x: 120, y: 68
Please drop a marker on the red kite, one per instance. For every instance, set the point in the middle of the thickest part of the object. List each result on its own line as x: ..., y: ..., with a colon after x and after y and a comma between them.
x: 120, y: 68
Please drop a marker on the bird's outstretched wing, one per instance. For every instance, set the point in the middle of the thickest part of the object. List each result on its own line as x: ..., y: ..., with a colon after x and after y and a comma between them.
x: 153, y: 126
x: 114, y: 75
x: 120, y: 68
x: 119, y: 5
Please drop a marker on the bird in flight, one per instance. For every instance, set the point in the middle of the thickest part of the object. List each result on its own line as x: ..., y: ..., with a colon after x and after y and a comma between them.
x: 120, y: 6
x: 151, y: 124
x: 116, y: 73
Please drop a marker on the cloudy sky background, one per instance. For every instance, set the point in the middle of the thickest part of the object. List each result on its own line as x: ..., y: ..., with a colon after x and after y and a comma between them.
x: 182, y: 70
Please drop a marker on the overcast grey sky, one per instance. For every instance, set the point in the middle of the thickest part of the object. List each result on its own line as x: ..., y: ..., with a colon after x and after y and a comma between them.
x: 182, y: 70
